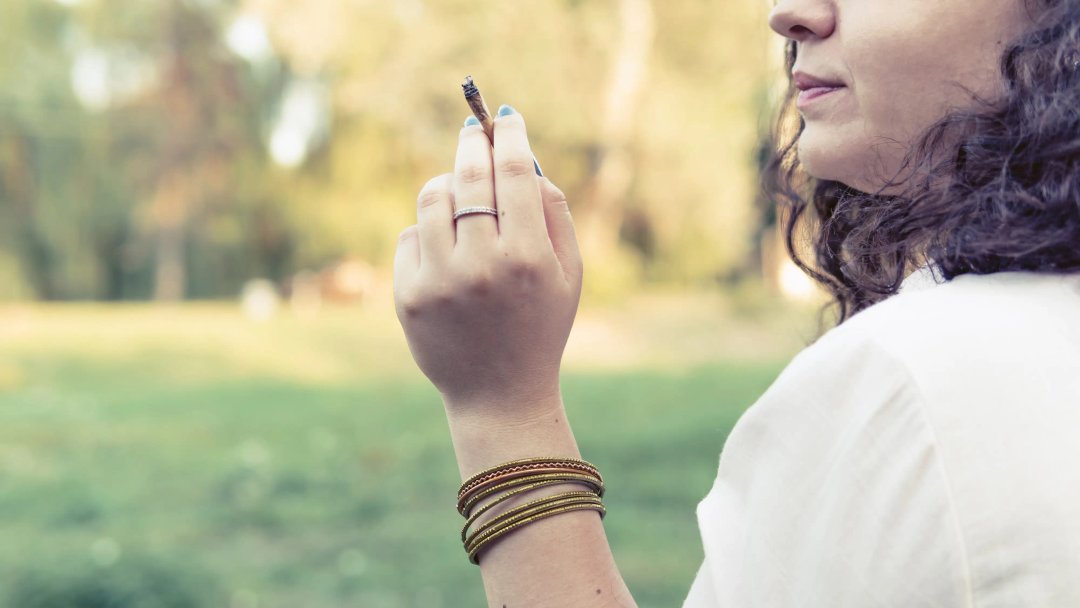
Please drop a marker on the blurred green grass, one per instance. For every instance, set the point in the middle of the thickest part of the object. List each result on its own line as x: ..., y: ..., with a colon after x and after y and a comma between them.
x: 156, y: 456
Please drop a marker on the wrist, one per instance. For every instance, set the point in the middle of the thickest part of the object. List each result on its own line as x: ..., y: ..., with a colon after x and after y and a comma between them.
x: 506, y: 406
x: 487, y: 434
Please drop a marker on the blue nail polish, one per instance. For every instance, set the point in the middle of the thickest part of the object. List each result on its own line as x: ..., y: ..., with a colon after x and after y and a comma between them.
x: 505, y: 110
x: 536, y: 166
x: 471, y: 121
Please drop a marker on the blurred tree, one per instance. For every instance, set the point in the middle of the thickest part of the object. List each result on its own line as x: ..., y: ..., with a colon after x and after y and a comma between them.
x: 35, y: 140
x: 176, y: 148
x: 131, y: 145
x: 190, y: 135
x: 647, y: 117
x: 602, y: 225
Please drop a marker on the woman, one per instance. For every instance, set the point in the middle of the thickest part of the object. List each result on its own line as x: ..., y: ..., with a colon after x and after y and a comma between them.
x: 921, y: 453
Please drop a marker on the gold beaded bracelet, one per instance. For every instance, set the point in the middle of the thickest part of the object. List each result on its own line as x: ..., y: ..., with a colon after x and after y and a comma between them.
x: 588, y: 480
x: 524, y: 467
x: 530, y: 506
x: 474, y: 550
x: 525, y: 463
x: 527, y: 487
x: 525, y: 475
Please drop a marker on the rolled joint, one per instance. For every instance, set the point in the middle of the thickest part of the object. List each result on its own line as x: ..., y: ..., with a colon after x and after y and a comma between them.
x: 479, y: 107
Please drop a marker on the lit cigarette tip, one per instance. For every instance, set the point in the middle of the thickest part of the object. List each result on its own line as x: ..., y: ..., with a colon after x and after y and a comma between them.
x: 469, y: 87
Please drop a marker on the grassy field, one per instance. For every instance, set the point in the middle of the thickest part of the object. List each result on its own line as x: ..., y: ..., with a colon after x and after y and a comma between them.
x: 168, y: 457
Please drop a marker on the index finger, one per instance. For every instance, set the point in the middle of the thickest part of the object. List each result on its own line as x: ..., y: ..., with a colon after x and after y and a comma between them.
x: 517, y: 191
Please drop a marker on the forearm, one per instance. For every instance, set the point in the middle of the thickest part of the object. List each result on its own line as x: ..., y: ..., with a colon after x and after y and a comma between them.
x: 563, y: 560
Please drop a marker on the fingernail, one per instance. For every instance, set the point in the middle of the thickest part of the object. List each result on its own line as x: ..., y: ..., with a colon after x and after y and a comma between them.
x: 536, y: 166
x: 471, y: 121
x: 505, y: 110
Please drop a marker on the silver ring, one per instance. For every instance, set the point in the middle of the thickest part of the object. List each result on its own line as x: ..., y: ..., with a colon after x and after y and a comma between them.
x: 471, y: 210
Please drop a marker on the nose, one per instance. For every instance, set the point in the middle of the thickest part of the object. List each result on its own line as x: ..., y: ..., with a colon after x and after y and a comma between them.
x: 803, y: 19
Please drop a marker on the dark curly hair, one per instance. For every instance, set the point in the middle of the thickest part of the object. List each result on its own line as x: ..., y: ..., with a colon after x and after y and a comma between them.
x: 998, y: 184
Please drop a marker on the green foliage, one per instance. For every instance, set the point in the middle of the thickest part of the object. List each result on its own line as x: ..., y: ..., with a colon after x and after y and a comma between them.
x: 163, y: 185
x: 164, y: 141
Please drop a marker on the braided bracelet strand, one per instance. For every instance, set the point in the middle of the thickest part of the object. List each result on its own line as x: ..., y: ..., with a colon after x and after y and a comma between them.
x: 516, y: 478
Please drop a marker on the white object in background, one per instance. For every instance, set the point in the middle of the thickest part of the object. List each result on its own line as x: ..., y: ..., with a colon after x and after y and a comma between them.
x: 260, y: 300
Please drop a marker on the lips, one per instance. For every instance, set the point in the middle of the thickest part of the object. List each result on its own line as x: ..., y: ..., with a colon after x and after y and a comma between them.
x: 813, y: 87
x: 805, y: 82
x: 809, y: 95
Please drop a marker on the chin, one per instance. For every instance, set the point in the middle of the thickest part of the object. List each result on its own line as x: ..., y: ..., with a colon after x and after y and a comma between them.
x: 835, y: 161
x: 821, y: 160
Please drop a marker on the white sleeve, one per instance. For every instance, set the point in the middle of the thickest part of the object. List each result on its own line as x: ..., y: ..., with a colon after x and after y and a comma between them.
x: 830, y: 493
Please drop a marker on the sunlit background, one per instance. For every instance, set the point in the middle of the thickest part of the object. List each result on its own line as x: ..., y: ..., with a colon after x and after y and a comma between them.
x: 205, y: 397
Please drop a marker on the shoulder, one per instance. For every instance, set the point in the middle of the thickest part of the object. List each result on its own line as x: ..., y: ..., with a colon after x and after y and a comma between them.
x: 961, y: 329
x: 926, y: 362
x: 927, y: 425
x: 976, y: 315
x: 873, y: 463
x: 992, y: 302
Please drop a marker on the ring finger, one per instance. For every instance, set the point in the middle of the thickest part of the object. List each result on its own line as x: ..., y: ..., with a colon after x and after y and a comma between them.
x: 474, y: 186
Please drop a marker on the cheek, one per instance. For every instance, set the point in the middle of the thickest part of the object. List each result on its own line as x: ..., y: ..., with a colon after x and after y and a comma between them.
x: 897, y: 88
x: 908, y: 75
x: 898, y: 92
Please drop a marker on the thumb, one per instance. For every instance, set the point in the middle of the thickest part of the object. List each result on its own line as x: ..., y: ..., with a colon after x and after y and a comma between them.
x: 560, y: 227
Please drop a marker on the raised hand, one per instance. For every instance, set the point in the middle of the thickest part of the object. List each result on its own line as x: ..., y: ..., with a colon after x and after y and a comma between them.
x: 487, y: 301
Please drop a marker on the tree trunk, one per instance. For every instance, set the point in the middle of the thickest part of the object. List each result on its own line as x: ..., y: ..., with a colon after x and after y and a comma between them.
x: 18, y: 187
x: 614, y: 173
x: 169, y: 209
x: 169, y: 270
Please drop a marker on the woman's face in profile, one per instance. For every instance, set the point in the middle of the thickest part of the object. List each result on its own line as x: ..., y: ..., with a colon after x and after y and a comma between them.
x: 901, y: 64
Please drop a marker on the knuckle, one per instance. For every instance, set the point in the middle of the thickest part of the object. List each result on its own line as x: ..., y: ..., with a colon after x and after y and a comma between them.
x: 408, y: 233
x: 553, y: 195
x: 515, y: 167
x: 418, y: 300
x: 473, y: 174
x: 441, y: 296
x: 428, y: 198
x: 560, y: 204
x: 410, y: 305
x: 479, y: 283
x: 434, y: 191
x: 524, y: 267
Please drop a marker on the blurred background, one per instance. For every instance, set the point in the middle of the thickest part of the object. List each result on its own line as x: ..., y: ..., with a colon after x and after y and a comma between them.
x: 205, y: 397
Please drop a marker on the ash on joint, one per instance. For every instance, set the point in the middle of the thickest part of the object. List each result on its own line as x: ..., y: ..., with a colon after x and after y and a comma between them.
x: 470, y: 87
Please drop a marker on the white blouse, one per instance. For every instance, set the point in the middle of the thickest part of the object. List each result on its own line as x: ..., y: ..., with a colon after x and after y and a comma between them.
x: 924, y: 453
